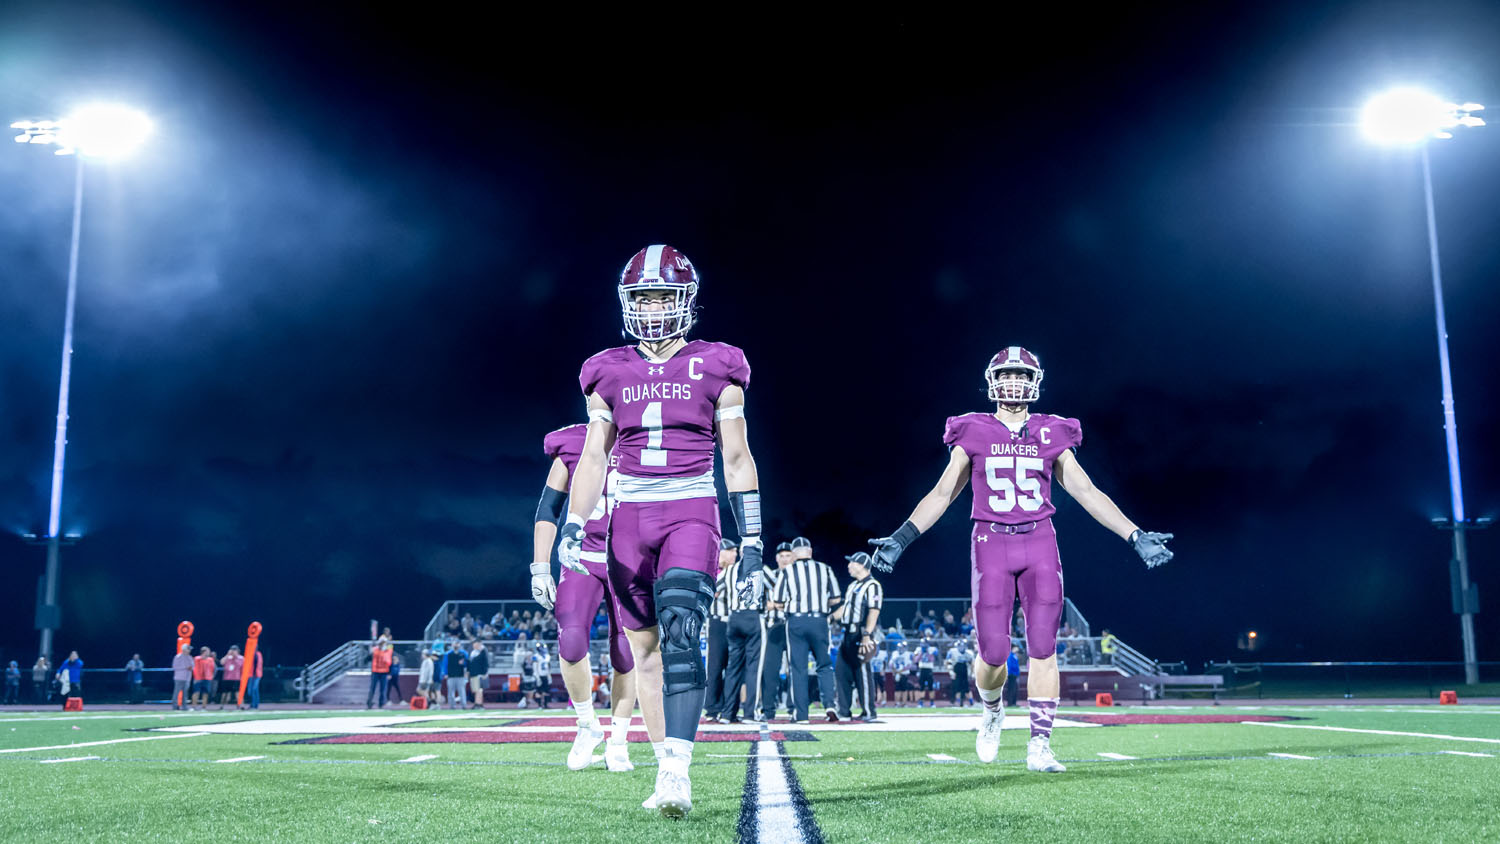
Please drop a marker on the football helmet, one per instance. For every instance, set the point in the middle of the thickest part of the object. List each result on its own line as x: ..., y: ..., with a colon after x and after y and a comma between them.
x: 659, y: 267
x: 1011, y: 391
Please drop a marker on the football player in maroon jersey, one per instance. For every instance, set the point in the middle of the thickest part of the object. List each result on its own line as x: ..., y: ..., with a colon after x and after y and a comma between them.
x: 576, y: 597
x: 662, y: 405
x: 1011, y: 456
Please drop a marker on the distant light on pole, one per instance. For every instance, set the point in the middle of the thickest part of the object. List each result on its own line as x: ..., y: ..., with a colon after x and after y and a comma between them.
x: 1409, y: 116
x: 97, y: 131
x: 100, y: 131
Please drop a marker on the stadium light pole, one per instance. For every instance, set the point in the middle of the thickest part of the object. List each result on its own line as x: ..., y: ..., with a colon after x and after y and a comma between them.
x: 1412, y: 117
x: 95, y: 131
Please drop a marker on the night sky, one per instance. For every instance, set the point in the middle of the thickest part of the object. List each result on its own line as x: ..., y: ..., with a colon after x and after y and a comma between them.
x: 326, y: 318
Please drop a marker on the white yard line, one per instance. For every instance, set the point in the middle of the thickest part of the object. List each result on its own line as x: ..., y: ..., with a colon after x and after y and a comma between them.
x: 69, y: 759
x: 423, y: 758
x: 97, y: 743
x: 1290, y: 756
x: 1368, y: 732
x: 237, y: 759
x: 1119, y: 756
x: 941, y: 757
x: 776, y: 818
x: 1466, y: 753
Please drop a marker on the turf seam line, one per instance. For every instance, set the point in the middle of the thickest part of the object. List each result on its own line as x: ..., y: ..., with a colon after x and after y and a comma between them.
x: 747, y: 827
x: 1370, y: 732
x: 809, y: 826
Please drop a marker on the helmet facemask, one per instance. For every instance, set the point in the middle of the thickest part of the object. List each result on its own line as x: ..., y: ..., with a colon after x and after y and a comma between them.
x: 1011, y: 390
x: 658, y: 323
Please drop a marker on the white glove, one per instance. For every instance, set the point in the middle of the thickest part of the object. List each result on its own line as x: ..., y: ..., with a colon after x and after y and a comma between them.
x: 543, y: 587
x: 571, y: 545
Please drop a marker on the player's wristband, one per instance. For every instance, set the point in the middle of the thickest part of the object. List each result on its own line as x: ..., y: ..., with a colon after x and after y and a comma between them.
x: 575, y: 519
x: 549, y: 508
x: 906, y: 534
x: 1130, y: 540
x: 746, y: 507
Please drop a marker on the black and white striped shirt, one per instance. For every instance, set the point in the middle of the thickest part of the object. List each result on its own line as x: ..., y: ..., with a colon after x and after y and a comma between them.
x: 722, y: 588
x: 740, y: 594
x: 861, y: 597
x: 807, y: 586
x: 773, y: 586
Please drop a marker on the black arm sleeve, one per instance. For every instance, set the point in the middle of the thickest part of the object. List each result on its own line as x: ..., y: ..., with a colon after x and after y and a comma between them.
x: 550, y: 507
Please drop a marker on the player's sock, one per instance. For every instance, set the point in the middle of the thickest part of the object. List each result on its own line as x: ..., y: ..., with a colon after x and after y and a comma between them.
x: 679, y: 755
x: 991, y: 698
x: 585, y: 710
x: 1043, y: 709
x: 619, y: 729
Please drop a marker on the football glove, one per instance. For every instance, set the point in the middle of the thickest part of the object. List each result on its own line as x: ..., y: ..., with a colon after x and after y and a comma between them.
x: 1151, y: 546
x: 571, y: 545
x: 889, y: 548
x: 750, y: 553
x: 543, y: 587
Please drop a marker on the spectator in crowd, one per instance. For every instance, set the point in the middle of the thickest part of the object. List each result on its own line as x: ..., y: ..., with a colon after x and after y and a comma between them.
x: 966, y: 624
x: 257, y: 670
x: 396, y: 677
x: 380, y: 673
x: 233, y: 664
x: 41, y: 678
x: 927, y: 626
x: 425, y: 676
x: 13, y: 683
x: 950, y: 625
x: 453, y: 626
x: 70, y: 673
x: 217, y: 673
x: 134, y: 675
x: 1108, y: 644
x: 203, y: 676
x: 182, y: 677
x: 479, y: 674
x: 1013, y: 675
x: 456, y: 666
x: 467, y: 625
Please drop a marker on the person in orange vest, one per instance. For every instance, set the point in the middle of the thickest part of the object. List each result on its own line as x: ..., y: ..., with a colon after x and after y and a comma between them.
x: 380, y: 672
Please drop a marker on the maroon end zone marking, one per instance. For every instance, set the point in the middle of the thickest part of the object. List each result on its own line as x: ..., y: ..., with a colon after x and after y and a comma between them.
x: 494, y: 737
x: 1167, y: 718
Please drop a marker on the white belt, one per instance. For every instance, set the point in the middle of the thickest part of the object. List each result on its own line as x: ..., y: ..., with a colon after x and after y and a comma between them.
x: 636, y: 490
x: 593, y: 556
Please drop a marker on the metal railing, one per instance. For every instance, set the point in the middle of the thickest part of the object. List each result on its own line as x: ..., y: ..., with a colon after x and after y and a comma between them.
x: 111, y: 685
x: 1353, y: 679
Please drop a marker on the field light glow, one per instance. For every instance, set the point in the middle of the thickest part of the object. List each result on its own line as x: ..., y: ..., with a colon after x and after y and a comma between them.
x: 1406, y: 116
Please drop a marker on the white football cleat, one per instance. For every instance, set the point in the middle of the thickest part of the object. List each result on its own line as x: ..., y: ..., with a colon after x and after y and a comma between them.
x: 674, y: 794
x: 617, y: 757
x: 1039, y: 756
x: 649, y: 802
x: 588, y: 738
x: 987, y: 743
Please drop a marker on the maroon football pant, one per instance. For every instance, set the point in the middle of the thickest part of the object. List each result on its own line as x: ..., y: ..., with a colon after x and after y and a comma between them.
x: 1004, y: 565
x: 578, y: 597
x: 648, y: 538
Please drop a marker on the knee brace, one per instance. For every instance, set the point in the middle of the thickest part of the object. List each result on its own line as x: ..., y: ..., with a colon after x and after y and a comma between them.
x: 683, y: 598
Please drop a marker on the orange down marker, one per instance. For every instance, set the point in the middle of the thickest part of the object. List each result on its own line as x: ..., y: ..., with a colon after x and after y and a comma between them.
x: 250, y: 643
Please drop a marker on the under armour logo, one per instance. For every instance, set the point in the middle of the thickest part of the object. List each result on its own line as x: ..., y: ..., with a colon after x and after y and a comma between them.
x: 982, y: 538
x: 656, y: 370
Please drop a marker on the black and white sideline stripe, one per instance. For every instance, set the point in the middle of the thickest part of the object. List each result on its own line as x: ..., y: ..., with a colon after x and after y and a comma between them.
x: 774, y: 808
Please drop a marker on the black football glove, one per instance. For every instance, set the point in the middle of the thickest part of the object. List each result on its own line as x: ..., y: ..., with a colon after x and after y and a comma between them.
x: 888, y: 549
x: 1151, y: 546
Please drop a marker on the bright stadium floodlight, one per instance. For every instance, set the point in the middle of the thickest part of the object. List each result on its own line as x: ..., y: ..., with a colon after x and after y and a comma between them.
x: 97, y: 132
x: 1410, y: 117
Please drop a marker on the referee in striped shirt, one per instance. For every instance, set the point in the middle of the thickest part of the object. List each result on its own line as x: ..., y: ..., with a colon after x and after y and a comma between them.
x: 743, y: 595
x: 718, y: 627
x: 772, y: 634
x: 859, y: 616
x: 808, y: 591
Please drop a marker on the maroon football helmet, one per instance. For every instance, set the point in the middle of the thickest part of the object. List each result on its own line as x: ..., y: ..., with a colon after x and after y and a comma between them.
x: 659, y: 267
x: 1014, y: 390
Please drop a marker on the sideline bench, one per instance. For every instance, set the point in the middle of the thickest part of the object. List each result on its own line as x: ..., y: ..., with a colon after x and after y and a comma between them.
x: 1150, y: 686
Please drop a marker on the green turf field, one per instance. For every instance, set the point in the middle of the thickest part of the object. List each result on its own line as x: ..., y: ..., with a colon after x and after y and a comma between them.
x: 1203, y: 781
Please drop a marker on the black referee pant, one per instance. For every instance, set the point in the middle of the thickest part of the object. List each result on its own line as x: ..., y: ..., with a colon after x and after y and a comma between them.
x: 772, y: 648
x: 853, y: 674
x: 808, y: 632
x: 718, y: 653
x: 744, y: 664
